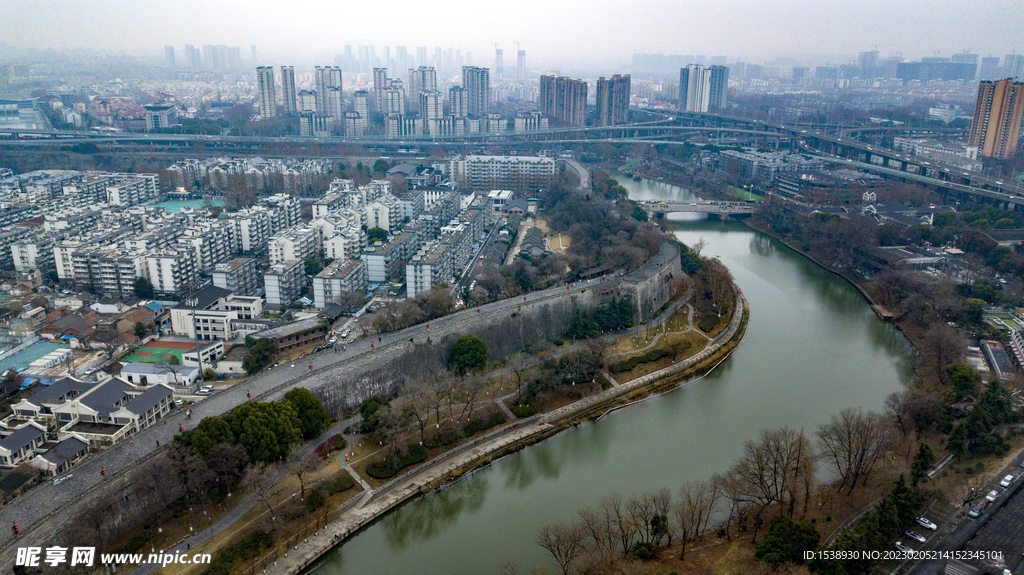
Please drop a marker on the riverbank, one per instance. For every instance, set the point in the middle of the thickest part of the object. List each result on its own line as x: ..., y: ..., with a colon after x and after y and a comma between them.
x: 486, y: 449
x: 875, y: 306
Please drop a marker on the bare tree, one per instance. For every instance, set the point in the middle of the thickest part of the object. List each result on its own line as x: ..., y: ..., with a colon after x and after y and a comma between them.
x: 967, y: 489
x: 261, y: 480
x: 621, y: 523
x: 303, y: 467
x: 697, y: 503
x: 564, y: 542
x: 469, y: 390
x: 768, y: 470
x: 519, y: 363
x: 852, y: 442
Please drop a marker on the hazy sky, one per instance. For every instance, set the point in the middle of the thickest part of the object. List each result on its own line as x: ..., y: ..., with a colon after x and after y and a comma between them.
x: 549, y: 30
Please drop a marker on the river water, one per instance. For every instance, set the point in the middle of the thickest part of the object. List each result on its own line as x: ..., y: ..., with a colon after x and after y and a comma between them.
x: 813, y: 347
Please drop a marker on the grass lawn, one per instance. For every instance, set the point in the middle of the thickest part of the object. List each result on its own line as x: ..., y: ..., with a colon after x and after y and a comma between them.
x: 697, y: 343
x: 744, y: 194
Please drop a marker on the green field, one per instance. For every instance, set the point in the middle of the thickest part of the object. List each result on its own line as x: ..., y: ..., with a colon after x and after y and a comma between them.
x: 743, y: 194
x: 1008, y: 320
x: 174, y: 206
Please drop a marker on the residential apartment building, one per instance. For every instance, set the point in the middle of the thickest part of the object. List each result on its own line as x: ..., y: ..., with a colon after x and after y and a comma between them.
x: 998, y: 113
x: 298, y: 243
x: 563, y: 100
x: 173, y: 270
x: 380, y: 257
x: 612, y: 101
x: 340, y: 276
x: 283, y: 283
x: 517, y: 173
x: 240, y: 276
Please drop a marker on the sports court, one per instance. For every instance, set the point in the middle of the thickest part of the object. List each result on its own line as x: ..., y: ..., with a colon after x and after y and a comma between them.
x: 161, y: 352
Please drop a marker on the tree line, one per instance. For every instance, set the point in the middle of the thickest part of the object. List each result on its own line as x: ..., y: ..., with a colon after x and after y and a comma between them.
x: 773, y: 482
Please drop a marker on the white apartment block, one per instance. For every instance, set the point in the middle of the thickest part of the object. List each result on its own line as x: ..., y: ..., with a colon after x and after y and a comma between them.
x: 383, y: 213
x: 338, y: 277
x: 172, y: 270
x: 240, y: 276
x: 282, y: 282
x: 345, y: 244
x: 297, y: 243
x: 32, y: 254
x: 252, y: 228
x: 132, y: 190
x: 518, y: 173
x: 438, y: 262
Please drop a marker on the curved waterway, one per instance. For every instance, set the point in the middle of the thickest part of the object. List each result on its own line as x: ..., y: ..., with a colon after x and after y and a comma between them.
x: 813, y: 347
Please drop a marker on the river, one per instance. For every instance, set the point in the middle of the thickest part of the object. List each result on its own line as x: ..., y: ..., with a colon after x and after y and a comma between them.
x: 813, y: 347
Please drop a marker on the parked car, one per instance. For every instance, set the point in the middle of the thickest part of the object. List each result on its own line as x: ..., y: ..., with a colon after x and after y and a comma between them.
x: 179, y: 402
x: 992, y: 495
x: 926, y: 524
x: 915, y: 536
x: 204, y: 392
x: 60, y: 480
x: 978, y: 509
x: 1006, y: 481
x: 902, y: 547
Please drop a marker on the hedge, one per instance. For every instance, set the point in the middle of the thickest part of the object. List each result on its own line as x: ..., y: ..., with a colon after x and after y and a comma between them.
x: 407, y: 455
x: 522, y: 411
x: 708, y: 322
x: 446, y: 437
x: 647, y: 357
x: 496, y: 418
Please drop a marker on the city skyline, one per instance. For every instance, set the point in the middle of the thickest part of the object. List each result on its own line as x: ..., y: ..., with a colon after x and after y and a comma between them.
x: 740, y: 29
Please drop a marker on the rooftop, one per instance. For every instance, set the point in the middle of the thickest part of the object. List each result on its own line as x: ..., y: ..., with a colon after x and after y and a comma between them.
x: 286, y: 330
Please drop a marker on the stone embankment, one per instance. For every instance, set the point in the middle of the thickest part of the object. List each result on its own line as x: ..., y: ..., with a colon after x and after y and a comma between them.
x: 492, y: 445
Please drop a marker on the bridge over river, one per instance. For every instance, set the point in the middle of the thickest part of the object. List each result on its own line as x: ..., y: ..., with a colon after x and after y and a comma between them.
x: 720, y: 208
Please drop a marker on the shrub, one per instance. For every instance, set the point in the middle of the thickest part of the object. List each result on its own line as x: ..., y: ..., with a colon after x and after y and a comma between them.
x: 647, y: 357
x: 407, y: 455
x: 336, y: 485
x: 314, y: 501
x: 708, y: 322
x: 496, y: 418
x: 645, y: 551
x: 522, y: 411
x: 446, y: 437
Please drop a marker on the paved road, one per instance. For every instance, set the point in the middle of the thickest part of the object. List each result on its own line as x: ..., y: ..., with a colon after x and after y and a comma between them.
x: 43, y: 503
x: 999, y: 528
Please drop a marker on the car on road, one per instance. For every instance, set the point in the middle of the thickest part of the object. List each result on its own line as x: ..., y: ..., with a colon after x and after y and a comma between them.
x: 992, y: 495
x: 1006, y: 481
x: 915, y: 536
x: 926, y: 524
x: 902, y: 547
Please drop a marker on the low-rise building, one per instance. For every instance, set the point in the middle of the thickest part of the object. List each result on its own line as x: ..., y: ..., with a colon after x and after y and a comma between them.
x: 302, y: 333
x: 174, y: 376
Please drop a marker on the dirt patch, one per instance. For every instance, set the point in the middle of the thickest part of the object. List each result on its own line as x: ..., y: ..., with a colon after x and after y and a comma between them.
x: 558, y: 241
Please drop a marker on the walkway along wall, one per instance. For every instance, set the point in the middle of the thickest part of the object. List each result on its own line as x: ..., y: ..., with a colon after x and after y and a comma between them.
x: 311, y: 543
x: 505, y: 329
